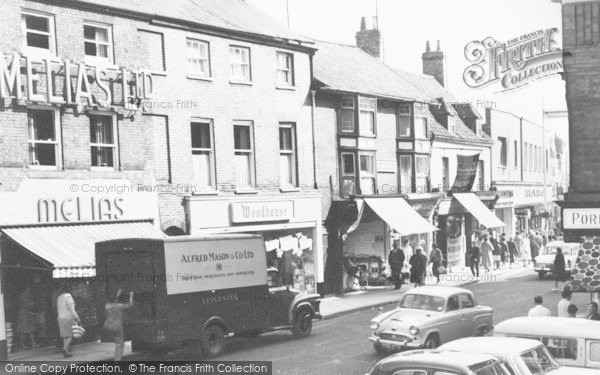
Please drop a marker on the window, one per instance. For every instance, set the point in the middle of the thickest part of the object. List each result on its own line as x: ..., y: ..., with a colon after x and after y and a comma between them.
x: 244, y: 160
x: 465, y: 301
x: 287, y: 154
x: 404, y: 119
x: 421, y: 128
x: 546, y: 162
x: 240, y: 63
x: 103, y: 141
x: 406, y: 170
x: 531, y: 157
x: 535, y: 158
x: 367, y: 123
x: 347, y: 115
x: 38, y: 29
x: 594, y: 352
x: 348, y: 174
x: 285, y: 69
x: 98, y: 41
x: 480, y: 176
x: 367, y: 174
x: 503, y: 151
x: 44, y: 150
x: 562, y: 348
x: 525, y: 157
x: 452, y: 303
x: 203, y: 154
x: 516, y: 154
x: 198, y: 57
x: 156, y: 50
x: 422, y: 174
x: 445, y: 174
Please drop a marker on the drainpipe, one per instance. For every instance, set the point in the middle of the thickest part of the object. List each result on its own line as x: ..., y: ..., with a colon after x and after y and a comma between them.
x: 521, y: 143
x: 314, y: 136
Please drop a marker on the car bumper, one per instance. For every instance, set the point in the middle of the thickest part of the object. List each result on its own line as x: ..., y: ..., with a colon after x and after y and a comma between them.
x: 395, y: 344
x: 542, y: 269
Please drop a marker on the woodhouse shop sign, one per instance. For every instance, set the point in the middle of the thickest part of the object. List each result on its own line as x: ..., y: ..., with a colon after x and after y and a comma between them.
x: 50, y: 80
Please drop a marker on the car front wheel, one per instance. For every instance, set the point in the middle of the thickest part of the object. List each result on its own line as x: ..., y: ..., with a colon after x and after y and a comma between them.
x: 432, y: 342
x: 302, y: 325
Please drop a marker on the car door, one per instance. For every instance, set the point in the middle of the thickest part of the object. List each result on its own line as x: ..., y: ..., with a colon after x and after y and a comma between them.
x: 469, y: 319
x: 453, y: 324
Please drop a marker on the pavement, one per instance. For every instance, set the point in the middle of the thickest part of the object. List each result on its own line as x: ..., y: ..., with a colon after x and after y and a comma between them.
x: 331, y: 307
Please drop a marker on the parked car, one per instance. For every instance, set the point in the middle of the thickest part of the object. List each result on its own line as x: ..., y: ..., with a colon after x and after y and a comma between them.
x: 573, y: 342
x: 544, y: 263
x: 429, y: 316
x: 519, y: 356
x: 433, y: 362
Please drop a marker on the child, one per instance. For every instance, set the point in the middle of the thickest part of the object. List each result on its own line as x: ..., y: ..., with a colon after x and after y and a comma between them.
x: 363, y: 277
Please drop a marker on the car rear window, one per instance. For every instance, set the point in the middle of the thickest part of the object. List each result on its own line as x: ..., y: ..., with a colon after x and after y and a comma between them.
x: 488, y: 368
x: 422, y: 302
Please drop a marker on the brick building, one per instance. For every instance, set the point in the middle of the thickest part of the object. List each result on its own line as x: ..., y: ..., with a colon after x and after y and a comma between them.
x: 193, y: 118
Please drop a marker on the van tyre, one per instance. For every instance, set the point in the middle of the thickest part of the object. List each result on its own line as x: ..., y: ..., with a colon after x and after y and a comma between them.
x: 302, y: 325
x: 212, y: 341
x: 432, y: 342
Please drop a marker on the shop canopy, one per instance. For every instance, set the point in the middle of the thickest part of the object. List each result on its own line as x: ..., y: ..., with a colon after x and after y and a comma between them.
x: 476, y: 208
x: 70, y: 249
x: 399, y: 215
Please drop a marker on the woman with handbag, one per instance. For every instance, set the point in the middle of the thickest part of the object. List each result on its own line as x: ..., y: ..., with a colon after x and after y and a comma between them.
x: 114, y: 322
x: 436, y: 260
x: 67, y: 318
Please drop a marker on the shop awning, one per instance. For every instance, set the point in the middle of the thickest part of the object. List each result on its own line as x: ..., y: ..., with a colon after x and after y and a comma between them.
x: 476, y: 208
x: 425, y: 204
x: 399, y: 215
x: 70, y: 249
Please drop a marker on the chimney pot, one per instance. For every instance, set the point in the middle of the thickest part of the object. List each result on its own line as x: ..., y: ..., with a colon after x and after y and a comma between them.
x: 427, y: 47
x: 363, y: 23
x: 439, y: 47
x: 375, y: 23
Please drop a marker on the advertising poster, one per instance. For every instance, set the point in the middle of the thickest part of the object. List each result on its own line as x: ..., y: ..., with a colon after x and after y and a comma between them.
x: 454, y: 249
x: 466, y: 171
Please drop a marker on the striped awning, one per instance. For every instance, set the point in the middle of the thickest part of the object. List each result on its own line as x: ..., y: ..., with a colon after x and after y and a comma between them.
x: 70, y: 249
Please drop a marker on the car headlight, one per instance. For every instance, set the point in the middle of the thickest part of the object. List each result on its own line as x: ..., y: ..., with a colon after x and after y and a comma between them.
x: 414, y: 330
x: 374, y: 325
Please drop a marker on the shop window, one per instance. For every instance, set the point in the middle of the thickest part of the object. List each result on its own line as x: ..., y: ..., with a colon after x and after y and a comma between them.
x: 348, y: 174
x: 44, y: 146
x: 503, y: 151
x: 198, y: 57
x: 347, y: 115
x: 103, y: 141
x: 367, y: 123
x: 367, y: 174
x: 240, y: 63
x: 38, y: 29
x: 421, y: 128
x: 285, y: 69
x: 406, y: 172
x: 422, y: 173
x: 291, y: 254
x: 98, y: 41
x: 244, y: 154
x: 516, y: 154
x: 404, y: 119
x: 287, y: 155
x: 203, y: 154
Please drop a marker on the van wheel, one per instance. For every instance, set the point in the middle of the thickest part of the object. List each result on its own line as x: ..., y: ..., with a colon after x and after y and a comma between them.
x: 432, y: 342
x: 302, y: 325
x: 212, y: 340
x: 541, y: 275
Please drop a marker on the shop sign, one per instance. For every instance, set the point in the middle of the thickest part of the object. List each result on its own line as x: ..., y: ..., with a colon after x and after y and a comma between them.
x: 92, y: 84
x: 525, y: 195
x: 454, y: 251
x: 466, y: 171
x: 581, y: 218
x: 367, y: 104
x: 256, y: 212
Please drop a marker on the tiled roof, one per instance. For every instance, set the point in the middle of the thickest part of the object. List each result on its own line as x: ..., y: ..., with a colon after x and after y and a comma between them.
x: 236, y: 15
x: 348, y: 68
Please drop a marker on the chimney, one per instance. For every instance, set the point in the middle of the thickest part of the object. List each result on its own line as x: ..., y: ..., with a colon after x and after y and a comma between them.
x: 434, y: 63
x: 369, y: 39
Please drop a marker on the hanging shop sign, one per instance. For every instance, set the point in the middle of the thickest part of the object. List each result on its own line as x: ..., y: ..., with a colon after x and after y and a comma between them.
x: 466, y: 171
x: 255, y: 212
x: 61, y: 82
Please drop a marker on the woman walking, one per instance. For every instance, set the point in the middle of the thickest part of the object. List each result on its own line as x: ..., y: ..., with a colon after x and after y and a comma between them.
x: 114, y: 322
x: 436, y: 260
x: 486, y: 253
x: 67, y: 318
x: 559, y: 268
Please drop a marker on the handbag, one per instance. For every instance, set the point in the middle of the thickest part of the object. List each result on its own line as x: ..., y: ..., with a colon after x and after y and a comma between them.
x: 77, y: 331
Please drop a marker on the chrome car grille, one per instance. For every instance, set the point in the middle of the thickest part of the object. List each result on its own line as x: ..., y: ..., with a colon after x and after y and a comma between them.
x: 393, y: 337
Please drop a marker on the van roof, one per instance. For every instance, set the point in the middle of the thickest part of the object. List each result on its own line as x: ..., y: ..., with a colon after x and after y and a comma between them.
x: 550, y: 326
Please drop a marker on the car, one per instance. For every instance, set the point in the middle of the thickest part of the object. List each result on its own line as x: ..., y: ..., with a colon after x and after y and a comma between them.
x: 544, y: 263
x: 429, y: 316
x: 574, y: 342
x: 519, y: 356
x: 434, y: 362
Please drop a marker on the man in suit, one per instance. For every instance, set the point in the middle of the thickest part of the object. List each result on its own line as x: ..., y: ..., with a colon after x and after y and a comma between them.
x: 418, y: 266
x: 396, y: 261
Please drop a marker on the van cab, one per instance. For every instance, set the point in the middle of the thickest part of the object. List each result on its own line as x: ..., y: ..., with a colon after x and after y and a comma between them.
x: 574, y: 342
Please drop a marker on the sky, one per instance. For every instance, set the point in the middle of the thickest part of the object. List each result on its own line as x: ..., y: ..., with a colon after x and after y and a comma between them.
x: 407, y: 25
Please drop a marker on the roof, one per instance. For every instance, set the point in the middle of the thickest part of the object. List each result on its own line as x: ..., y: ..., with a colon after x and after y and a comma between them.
x: 234, y: 15
x: 438, y: 291
x: 446, y: 359
x: 349, y: 69
x: 549, y: 326
x: 492, y: 345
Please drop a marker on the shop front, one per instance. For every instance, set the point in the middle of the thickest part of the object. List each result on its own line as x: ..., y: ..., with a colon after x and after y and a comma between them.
x: 48, y: 231
x: 524, y: 207
x: 426, y: 205
x: 290, y: 225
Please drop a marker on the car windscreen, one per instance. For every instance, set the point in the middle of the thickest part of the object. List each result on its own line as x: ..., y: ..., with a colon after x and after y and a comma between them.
x: 489, y: 368
x: 565, y: 250
x: 537, y: 361
x: 422, y: 302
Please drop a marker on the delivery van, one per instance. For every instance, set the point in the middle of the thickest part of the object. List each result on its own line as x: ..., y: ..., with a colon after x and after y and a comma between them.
x: 199, y: 290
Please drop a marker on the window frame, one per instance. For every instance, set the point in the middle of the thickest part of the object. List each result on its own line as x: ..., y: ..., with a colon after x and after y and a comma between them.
x: 237, y: 79
x: 210, y: 151
x: 250, y: 151
x: 346, y: 176
x: 418, y: 136
x: 503, y: 151
x: 293, y: 152
x: 193, y: 73
x: 364, y: 175
x: 445, y: 173
x: 290, y: 70
x: 361, y: 128
x: 57, y: 136
x: 418, y: 175
x: 405, y: 114
x: 347, y: 108
x: 37, y: 51
x: 516, y: 154
x: 99, y: 60
x: 411, y: 186
x: 114, y: 146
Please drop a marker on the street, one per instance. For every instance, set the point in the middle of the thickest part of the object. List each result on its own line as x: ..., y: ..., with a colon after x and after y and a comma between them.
x: 340, y: 345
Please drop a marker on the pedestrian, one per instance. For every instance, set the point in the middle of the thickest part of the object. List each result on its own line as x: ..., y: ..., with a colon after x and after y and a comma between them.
x: 396, y: 260
x: 25, y: 319
x: 407, y: 250
x: 535, y: 250
x: 512, y: 251
x: 539, y: 309
x: 564, y: 303
x: 496, y: 252
x: 67, y: 318
x: 436, y: 259
x: 592, y: 309
x: 539, y: 239
x: 559, y: 268
x: 572, y: 311
x: 519, y: 245
x: 418, y: 266
x: 486, y: 253
x: 503, y: 250
x: 526, y: 250
x: 475, y: 256
x: 113, y: 323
